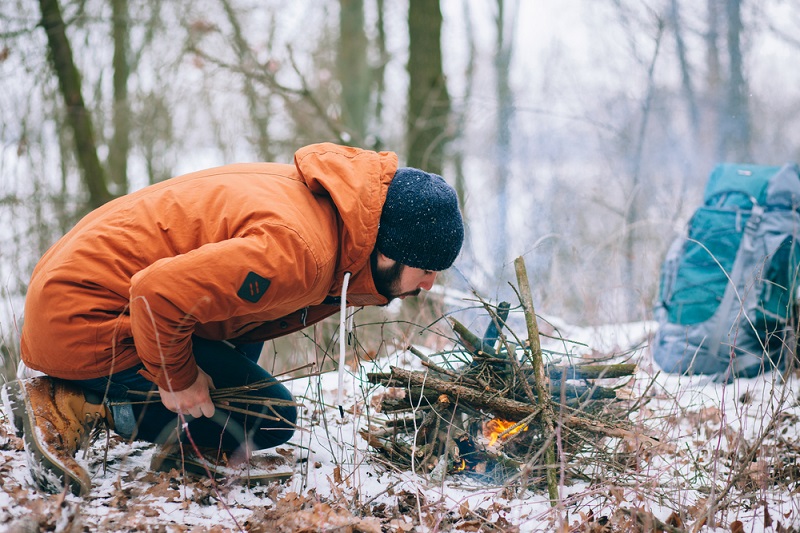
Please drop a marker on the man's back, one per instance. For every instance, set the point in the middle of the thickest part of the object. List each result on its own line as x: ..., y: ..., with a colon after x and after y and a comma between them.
x: 163, y: 261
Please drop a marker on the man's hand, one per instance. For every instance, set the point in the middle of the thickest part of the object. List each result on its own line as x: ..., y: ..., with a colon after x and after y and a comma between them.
x: 195, y: 400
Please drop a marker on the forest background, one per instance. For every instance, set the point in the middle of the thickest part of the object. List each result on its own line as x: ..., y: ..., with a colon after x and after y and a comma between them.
x: 577, y: 133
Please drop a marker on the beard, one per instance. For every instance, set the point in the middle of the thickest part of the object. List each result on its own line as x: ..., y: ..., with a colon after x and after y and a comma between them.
x: 387, y: 280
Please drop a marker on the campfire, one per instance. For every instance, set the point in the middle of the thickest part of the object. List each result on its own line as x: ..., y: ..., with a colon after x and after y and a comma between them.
x: 498, y: 429
x: 491, y: 408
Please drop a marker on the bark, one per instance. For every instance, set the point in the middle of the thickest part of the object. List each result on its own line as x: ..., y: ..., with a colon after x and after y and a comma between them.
x: 505, y: 103
x: 354, y: 72
x: 636, y: 197
x: 461, y: 117
x: 713, y: 69
x: 469, y: 340
x: 423, y: 397
x: 378, y: 73
x: 686, y: 75
x: 69, y: 82
x: 490, y: 401
x: 734, y: 130
x: 542, y: 386
x: 428, y: 99
x: 259, y: 113
x: 120, y: 143
x: 592, y: 371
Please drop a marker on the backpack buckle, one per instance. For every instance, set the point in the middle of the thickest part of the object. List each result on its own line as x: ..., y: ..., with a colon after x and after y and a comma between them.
x: 756, y: 214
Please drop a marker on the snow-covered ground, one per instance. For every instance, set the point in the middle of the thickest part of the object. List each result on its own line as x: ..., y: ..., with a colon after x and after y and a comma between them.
x: 730, y: 447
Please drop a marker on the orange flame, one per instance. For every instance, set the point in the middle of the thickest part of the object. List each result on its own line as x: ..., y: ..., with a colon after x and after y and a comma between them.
x: 495, y: 427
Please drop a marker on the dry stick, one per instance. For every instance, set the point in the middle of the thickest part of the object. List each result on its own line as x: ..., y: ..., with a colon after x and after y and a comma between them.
x: 424, y: 358
x: 521, y: 424
x: 617, y: 370
x: 542, y: 386
x: 449, y: 373
x: 470, y: 341
x: 596, y: 426
x: 508, y: 409
x: 515, y: 366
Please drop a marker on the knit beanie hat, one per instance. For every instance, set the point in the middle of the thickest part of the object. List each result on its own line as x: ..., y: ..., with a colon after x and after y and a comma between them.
x: 421, y: 224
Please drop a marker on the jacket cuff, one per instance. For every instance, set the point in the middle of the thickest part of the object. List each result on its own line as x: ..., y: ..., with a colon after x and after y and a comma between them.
x: 177, y: 377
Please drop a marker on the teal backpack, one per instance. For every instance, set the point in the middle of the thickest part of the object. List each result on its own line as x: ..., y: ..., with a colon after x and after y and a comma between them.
x: 727, y: 291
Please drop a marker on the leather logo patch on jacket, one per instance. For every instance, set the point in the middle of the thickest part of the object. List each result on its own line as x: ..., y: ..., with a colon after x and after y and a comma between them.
x: 253, y: 288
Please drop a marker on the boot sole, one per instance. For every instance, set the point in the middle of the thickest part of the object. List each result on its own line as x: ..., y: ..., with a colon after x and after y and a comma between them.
x: 45, y: 469
x: 10, y: 395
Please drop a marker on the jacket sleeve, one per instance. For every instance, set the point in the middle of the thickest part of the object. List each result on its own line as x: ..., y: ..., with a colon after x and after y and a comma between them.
x: 214, y: 282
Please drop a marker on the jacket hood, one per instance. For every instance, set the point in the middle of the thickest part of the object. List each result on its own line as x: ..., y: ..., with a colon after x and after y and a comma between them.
x: 356, y: 180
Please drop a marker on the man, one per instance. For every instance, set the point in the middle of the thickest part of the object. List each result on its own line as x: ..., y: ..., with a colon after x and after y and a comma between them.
x: 174, y: 288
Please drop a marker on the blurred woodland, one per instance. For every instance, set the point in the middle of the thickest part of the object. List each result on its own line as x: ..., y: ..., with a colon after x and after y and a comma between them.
x: 578, y: 133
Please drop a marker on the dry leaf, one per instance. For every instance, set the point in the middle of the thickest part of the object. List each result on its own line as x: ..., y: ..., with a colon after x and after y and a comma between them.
x: 674, y: 520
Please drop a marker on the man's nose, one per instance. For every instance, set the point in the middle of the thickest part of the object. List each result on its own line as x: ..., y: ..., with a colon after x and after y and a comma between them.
x: 427, y: 281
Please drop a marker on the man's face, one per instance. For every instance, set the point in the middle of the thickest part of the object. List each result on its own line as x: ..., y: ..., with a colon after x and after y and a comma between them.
x: 396, y: 280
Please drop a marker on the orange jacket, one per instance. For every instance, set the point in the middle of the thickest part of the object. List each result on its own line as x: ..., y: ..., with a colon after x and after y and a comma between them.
x: 241, y: 252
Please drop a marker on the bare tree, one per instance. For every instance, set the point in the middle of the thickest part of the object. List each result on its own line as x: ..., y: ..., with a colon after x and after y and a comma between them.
x: 120, y: 143
x: 258, y: 109
x: 428, y: 99
x: 353, y: 70
x: 504, y: 38
x: 734, y: 121
x: 69, y: 81
x: 378, y: 73
x: 713, y: 68
x: 685, y: 67
x: 636, y: 199
x: 461, y: 115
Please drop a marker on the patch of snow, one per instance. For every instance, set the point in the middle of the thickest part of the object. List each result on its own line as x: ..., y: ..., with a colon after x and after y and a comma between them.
x: 700, y: 425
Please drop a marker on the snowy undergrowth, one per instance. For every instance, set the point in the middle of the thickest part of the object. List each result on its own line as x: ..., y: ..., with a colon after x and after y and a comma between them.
x: 712, y: 456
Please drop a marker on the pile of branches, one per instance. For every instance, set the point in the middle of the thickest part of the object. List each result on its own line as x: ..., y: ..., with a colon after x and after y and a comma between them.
x: 501, y: 412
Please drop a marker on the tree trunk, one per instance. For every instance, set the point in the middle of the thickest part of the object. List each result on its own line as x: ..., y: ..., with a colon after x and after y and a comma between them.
x: 713, y: 69
x: 686, y: 75
x: 505, y: 110
x: 378, y: 74
x: 69, y: 82
x: 120, y: 143
x: 636, y: 198
x: 354, y: 73
x: 257, y: 105
x: 461, y: 117
x: 734, y: 130
x: 428, y: 99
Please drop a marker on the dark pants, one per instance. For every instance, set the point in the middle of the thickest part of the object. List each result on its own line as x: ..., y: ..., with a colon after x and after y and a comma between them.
x: 228, y: 367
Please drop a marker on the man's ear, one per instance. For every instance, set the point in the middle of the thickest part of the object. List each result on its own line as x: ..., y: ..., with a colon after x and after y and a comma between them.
x: 384, y: 262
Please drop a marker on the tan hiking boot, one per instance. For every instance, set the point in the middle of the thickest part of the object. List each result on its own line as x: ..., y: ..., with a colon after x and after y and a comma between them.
x: 56, y: 420
x: 256, y: 470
